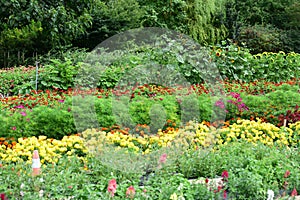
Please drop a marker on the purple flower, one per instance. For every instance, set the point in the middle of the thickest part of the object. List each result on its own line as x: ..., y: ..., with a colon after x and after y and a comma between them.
x: 23, y: 113
x: 61, y: 100
x: 69, y: 109
x: 242, y: 106
x: 230, y: 101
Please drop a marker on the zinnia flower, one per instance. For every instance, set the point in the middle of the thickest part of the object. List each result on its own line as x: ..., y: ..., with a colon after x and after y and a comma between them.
x: 20, y: 106
x: 3, y: 197
x: 220, y: 104
x: 130, y: 192
x: 224, y: 194
x: 225, y: 174
x: 287, y: 174
x: 235, y: 95
x: 163, y: 158
x: 294, y: 192
x: 23, y: 113
x: 270, y: 195
x: 112, y: 187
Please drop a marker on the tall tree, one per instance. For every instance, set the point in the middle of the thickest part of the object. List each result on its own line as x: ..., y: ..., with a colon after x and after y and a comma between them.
x: 201, y: 19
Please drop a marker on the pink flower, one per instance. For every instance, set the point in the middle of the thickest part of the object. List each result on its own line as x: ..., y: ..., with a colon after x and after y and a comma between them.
x: 23, y: 113
x: 19, y: 106
x: 163, y: 158
x: 61, y: 100
x: 14, y: 128
x: 235, y: 95
x: 130, y: 192
x: 294, y: 192
x: 287, y: 174
x: 112, y: 187
x: 220, y: 104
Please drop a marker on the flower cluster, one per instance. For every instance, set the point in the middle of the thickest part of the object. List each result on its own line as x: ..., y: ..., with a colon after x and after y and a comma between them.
x: 50, y: 150
x: 237, y: 101
x: 193, y: 135
x: 258, y: 131
x: 112, y: 189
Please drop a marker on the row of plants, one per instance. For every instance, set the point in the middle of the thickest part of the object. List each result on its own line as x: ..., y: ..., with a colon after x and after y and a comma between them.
x: 232, y: 62
x: 248, y: 169
x: 192, y: 136
x: 59, y: 113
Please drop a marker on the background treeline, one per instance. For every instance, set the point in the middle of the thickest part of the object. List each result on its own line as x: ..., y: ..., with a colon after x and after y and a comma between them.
x: 30, y: 28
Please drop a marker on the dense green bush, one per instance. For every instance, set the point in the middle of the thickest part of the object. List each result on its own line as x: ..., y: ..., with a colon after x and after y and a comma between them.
x: 42, y: 120
x: 235, y: 63
x: 17, y: 80
x: 264, y: 25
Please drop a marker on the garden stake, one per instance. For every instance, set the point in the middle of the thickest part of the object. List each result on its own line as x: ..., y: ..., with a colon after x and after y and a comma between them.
x: 36, y: 163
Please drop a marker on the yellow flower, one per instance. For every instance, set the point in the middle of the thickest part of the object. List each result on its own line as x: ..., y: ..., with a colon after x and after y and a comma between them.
x: 174, y: 196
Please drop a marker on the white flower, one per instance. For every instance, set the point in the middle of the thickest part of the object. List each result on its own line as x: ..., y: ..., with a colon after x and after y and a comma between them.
x: 41, y: 193
x: 270, y: 195
x: 22, y: 193
x: 180, y: 187
x: 22, y: 185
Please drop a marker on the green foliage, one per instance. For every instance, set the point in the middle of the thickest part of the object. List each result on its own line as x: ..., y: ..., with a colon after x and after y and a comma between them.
x: 235, y: 63
x: 271, y: 21
x: 259, y: 38
x: 39, y: 26
x: 202, y: 20
x: 58, y: 74
x: 109, y: 18
x: 17, y: 80
x: 42, y: 120
x: 252, y: 169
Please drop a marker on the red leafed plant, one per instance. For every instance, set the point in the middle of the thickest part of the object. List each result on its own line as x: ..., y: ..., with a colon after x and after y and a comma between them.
x: 289, y: 117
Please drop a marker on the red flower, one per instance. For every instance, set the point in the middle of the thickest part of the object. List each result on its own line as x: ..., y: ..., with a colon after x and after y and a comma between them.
x: 219, y: 188
x: 224, y: 194
x: 294, y: 192
x: 206, y: 180
x: 287, y: 174
x: 3, y: 197
x: 112, y: 187
x: 225, y: 174
x: 130, y: 192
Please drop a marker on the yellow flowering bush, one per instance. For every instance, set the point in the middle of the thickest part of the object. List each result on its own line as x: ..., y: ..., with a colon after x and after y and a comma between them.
x: 192, y: 135
x: 50, y: 150
x: 256, y: 131
x: 294, y: 137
